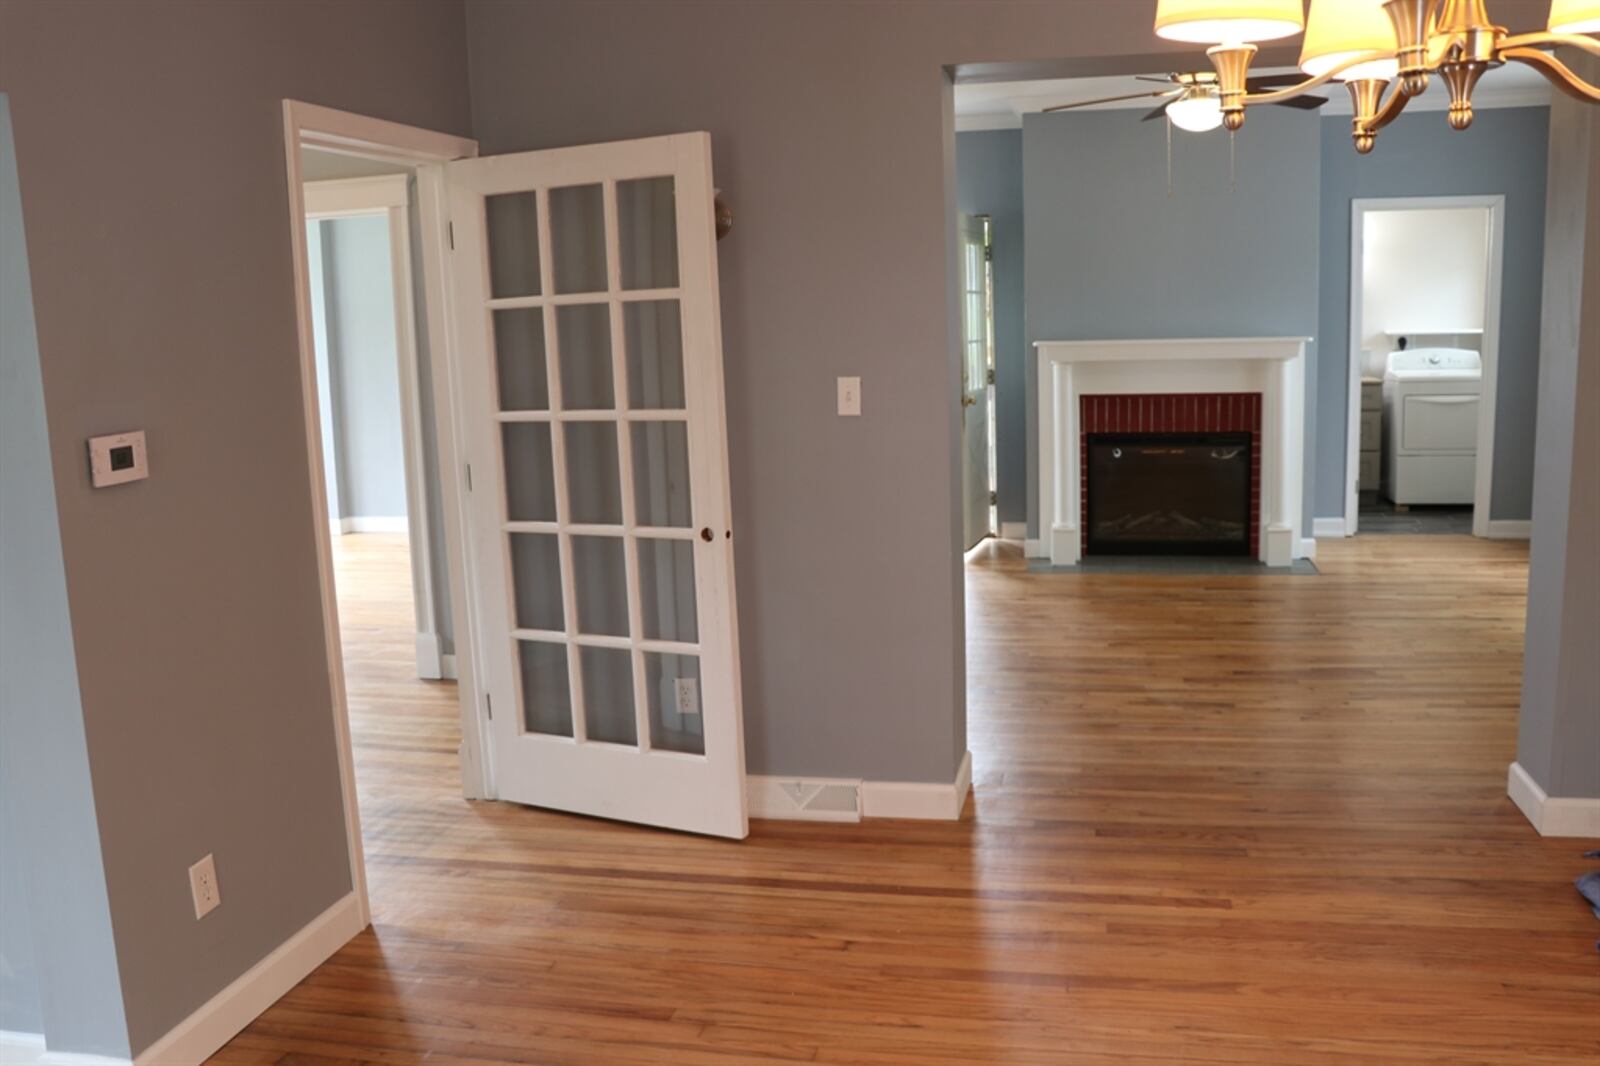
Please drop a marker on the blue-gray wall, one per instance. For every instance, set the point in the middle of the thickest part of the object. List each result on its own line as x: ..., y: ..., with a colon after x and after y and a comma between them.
x: 364, y: 370
x: 1111, y: 255
x: 989, y: 182
x: 1504, y: 152
x: 58, y: 961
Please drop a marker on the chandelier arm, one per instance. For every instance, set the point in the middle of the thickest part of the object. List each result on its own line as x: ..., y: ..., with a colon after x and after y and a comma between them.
x: 1389, y: 111
x: 1301, y: 88
x: 1552, y: 40
x: 1556, y: 72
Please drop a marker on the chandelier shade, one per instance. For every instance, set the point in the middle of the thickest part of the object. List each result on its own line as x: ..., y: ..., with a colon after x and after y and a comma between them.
x: 1341, y: 30
x: 1574, y: 16
x: 1225, y: 22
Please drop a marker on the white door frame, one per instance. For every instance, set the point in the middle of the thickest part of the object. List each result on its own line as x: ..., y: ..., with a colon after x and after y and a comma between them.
x: 310, y: 125
x: 388, y: 195
x: 1483, y: 486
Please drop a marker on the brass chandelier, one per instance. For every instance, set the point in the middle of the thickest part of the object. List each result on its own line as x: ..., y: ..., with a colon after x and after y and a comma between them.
x: 1377, y: 47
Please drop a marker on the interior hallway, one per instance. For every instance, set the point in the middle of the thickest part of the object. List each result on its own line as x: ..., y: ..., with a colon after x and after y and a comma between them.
x: 1216, y: 820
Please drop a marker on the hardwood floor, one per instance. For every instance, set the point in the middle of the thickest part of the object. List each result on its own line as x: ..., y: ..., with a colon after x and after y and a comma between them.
x: 1216, y: 820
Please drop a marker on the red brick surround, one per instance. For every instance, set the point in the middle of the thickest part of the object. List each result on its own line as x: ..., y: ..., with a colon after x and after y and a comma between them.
x: 1216, y: 412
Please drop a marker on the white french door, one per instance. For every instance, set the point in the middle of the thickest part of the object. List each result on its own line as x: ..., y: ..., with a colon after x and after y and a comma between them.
x: 585, y: 289
x: 977, y: 381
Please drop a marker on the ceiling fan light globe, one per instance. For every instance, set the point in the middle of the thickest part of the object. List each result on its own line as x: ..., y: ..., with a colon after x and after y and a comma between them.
x: 1338, y: 31
x: 1196, y: 114
x: 1574, y: 16
x: 1228, y: 21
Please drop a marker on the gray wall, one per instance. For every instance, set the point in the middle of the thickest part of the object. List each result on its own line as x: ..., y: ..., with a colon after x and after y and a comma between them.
x: 832, y: 136
x: 363, y: 367
x: 1503, y: 152
x: 989, y: 182
x: 58, y: 963
x: 1558, y: 737
x: 1111, y: 255
x: 165, y: 301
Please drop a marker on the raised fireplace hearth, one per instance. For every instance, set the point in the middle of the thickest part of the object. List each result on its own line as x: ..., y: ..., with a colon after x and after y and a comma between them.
x: 1249, y: 388
x: 1168, y: 494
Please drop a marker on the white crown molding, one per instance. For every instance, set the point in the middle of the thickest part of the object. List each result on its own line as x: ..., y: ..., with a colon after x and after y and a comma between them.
x: 999, y: 120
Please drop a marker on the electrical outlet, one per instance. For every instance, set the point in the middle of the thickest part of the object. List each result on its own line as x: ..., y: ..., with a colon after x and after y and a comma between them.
x: 688, y: 696
x: 203, y: 886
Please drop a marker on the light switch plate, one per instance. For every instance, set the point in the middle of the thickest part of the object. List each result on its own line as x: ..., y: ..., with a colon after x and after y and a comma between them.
x: 850, y: 396
x: 117, y: 458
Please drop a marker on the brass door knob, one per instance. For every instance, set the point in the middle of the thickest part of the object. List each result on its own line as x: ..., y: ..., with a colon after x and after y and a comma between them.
x: 968, y: 401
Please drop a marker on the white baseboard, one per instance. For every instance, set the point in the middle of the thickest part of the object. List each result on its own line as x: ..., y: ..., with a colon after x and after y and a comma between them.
x: 833, y: 799
x: 1328, y: 527
x: 1033, y: 548
x: 430, y: 663
x: 447, y: 668
x: 374, y: 524
x: 914, y: 799
x: 1014, y: 530
x: 1559, y: 816
x: 1510, y: 529
x: 222, y: 1017
x: 28, y: 1049
x: 1308, y: 549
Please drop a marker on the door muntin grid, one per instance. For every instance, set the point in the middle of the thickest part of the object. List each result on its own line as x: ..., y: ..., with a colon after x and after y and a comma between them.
x: 605, y: 479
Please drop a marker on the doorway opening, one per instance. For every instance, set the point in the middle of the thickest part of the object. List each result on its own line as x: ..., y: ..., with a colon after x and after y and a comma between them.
x: 1424, y: 361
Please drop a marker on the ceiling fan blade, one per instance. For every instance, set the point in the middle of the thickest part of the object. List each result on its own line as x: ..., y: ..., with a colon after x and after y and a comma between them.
x: 1158, y: 112
x: 1113, y: 99
x: 1303, y: 103
x: 1274, y: 81
x: 1164, y: 79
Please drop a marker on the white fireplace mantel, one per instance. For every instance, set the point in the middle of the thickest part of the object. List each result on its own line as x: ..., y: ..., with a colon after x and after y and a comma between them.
x: 1272, y: 366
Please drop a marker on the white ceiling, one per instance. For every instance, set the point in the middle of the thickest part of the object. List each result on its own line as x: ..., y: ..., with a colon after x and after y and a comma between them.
x: 1001, y: 105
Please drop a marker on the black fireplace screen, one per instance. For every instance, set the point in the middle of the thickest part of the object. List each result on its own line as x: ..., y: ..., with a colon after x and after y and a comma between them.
x: 1169, y: 494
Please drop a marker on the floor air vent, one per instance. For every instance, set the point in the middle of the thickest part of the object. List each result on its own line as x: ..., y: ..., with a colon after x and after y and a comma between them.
x: 790, y: 797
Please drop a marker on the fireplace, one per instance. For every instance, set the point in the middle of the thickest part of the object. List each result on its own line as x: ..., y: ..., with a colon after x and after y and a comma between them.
x: 1169, y: 494
x: 1253, y: 386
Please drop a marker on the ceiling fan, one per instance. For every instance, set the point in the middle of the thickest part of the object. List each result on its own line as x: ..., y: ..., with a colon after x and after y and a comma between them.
x: 1193, y: 102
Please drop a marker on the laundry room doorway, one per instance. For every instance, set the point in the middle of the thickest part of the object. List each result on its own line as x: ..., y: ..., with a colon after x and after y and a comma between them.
x: 1425, y: 304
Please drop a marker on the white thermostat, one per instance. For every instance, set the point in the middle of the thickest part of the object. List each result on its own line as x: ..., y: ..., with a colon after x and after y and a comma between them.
x: 117, y: 458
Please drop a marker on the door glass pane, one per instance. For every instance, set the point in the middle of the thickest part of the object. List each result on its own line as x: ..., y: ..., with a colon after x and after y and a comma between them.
x: 583, y: 336
x: 512, y: 223
x: 594, y: 481
x: 661, y: 473
x: 519, y: 359
x: 666, y: 590
x: 536, y: 580
x: 530, y: 480
x: 608, y: 694
x: 546, y: 696
x: 647, y: 229
x: 672, y: 685
x: 600, y: 585
x: 654, y: 344
x: 578, y: 238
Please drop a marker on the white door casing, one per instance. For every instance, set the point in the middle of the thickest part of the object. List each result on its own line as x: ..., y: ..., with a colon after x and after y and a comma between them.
x: 588, y: 327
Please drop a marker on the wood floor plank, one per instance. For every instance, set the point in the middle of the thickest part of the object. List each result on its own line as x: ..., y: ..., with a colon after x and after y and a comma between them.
x: 1216, y: 819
